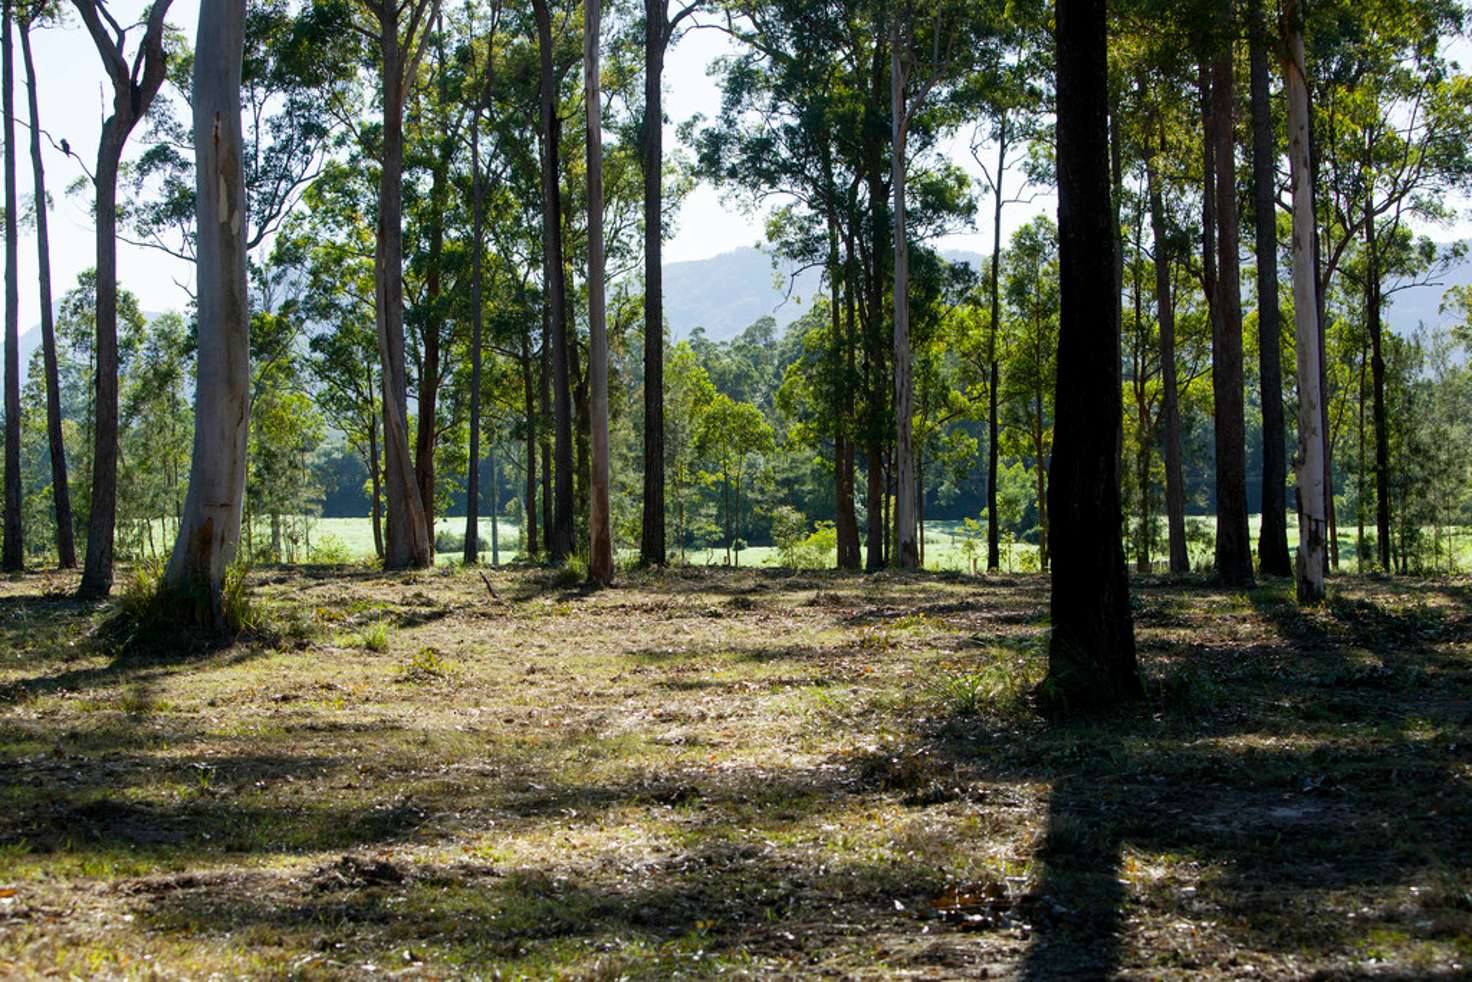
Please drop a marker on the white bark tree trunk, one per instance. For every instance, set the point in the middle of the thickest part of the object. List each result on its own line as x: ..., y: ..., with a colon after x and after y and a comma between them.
x: 600, y: 531
x: 209, y: 534
x: 1309, y: 465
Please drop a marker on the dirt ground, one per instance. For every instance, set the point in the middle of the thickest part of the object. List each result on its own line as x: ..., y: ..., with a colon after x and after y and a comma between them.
x: 703, y: 773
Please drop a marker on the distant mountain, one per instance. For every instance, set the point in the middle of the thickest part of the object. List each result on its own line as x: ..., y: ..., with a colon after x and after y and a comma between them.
x: 728, y: 293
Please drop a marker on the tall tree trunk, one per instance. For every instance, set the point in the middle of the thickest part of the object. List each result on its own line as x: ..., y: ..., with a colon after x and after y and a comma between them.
x: 477, y: 320
x: 209, y: 535
x: 409, y: 543
x: 545, y: 394
x: 1321, y: 290
x: 994, y: 432
x: 874, y: 139
x: 529, y: 501
x: 656, y: 37
x: 846, y: 523
x: 133, y: 93
x: 61, y: 497
x: 14, y: 547
x: 562, y: 530
x: 1091, y: 655
x: 1374, y: 319
x: 600, y: 526
x: 495, y: 513
x: 1272, y: 547
x: 1233, y: 540
x: 375, y: 470
x: 904, y: 382
x: 1310, y: 465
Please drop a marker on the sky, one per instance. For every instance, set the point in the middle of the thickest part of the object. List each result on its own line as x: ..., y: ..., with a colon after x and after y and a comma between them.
x: 74, y: 95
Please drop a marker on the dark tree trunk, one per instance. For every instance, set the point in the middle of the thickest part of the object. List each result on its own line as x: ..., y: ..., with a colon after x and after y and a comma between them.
x: 1170, y: 413
x: 133, y: 93
x: 61, y: 497
x: 477, y: 320
x: 562, y: 532
x: 545, y: 394
x: 375, y: 470
x: 1091, y: 656
x: 1374, y: 320
x: 876, y: 136
x: 529, y: 502
x: 1272, y: 543
x: 1233, y: 540
x: 652, y: 551
x: 14, y: 552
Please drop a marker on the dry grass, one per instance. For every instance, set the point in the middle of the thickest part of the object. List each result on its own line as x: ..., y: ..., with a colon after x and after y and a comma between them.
x: 702, y: 772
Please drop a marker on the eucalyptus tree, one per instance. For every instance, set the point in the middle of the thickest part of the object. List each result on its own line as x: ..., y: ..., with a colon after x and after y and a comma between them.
x: 209, y: 532
x: 1014, y: 106
x: 13, y: 558
x: 401, y: 30
x: 134, y: 87
x: 600, y: 531
x: 561, y: 529
x: 1313, y: 525
x: 927, y: 58
x: 1272, y: 547
x: 660, y: 29
x: 1091, y: 654
x: 789, y: 107
x: 66, y: 550
x: 1233, y: 541
x: 1393, y: 121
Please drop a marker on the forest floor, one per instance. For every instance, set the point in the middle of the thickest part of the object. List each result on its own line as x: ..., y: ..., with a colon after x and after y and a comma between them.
x: 711, y: 772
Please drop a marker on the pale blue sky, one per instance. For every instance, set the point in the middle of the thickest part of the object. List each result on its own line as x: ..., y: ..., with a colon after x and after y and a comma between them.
x: 74, y: 98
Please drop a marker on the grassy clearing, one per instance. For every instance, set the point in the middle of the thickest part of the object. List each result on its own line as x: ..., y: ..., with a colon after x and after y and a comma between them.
x: 708, y: 772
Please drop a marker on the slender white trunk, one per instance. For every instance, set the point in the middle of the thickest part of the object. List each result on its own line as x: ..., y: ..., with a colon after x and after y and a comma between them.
x: 209, y: 534
x: 1309, y: 464
x: 600, y: 532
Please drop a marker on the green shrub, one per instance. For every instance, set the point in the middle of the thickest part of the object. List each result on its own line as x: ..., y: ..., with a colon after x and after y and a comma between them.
x: 448, y: 540
x: 797, y: 548
x: 329, y: 550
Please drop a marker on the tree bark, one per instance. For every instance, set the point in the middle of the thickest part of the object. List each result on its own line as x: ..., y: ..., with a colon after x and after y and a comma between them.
x: 1374, y: 320
x: 61, y: 497
x: 529, y: 502
x: 994, y: 432
x: 1272, y: 547
x: 908, y: 556
x: 562, y: 529
x: 1091, y: 655
x: 477, y: 321
x: 132, y: 95
x: 1310, y: 465
x: 1233, y: 540
x: 209, y: 534
x: 408, y: 542
x: 600, y: 528
x: 1165, y: 312
x: 14, y: 545
x: 652, y: 551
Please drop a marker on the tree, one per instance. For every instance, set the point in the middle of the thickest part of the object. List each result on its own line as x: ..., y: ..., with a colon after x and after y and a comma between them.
x: 561, y: 529
x: 659, y: 31
x: 209, y: 533
x: 408, y: 541
x: 134, y: 88
x: 1272, y: 547
x: 730, y: 432
x: 60, y: 485
x: 1091, y: 655
x: 600, y: 531
x: 1233, y: 541
x: 13, y: 559
x: 1309, y: 467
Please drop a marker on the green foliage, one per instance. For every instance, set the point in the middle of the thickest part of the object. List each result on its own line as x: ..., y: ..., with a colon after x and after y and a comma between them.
x: 797, y: 548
